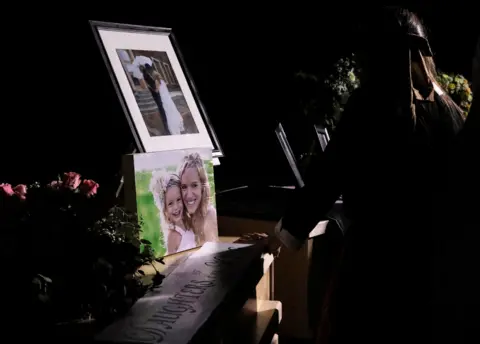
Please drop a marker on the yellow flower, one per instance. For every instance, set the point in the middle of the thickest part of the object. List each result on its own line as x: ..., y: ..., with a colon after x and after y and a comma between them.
x: 452, y: 86
x: 351, y: 76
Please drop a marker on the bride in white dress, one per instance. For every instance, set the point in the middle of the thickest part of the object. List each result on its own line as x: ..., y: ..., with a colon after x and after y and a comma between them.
x: 174, y: 118
x: 166, y: 189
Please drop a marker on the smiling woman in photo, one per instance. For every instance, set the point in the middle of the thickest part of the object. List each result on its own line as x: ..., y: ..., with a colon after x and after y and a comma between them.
x: 196, y: 198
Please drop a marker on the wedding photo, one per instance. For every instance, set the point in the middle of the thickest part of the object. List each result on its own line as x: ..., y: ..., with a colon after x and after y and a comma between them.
x: 157, y: 92
x: 175, y: 199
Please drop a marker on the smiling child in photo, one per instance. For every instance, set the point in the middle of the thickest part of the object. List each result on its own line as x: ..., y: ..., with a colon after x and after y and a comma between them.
x: 166, y: 189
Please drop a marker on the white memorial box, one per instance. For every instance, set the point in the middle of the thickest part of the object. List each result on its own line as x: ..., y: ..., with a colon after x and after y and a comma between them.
x: 188, y: 296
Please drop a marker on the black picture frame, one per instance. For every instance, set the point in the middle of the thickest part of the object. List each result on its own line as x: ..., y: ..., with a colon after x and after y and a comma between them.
x: 322, y: 135
x: 101, y: 25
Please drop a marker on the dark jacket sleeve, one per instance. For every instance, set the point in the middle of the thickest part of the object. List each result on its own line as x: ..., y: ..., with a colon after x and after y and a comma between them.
x: 323, y: 178
x: 472, y: 123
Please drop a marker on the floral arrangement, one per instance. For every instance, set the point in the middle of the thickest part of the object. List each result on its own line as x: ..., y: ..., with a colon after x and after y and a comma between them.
x: 322, y: 98
x: 68, y: 202
x: 341, y: 83
x: 458, y: 88
x: 86, y: 255
x: 344, y: 79
x: 336, y: 88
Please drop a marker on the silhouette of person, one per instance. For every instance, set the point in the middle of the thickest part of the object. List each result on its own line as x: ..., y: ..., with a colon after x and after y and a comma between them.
x: 457, y: 258
x: 387, y: 159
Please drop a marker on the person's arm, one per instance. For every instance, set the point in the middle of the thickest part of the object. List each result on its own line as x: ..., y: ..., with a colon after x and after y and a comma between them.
x: 468, y: 139
x: 323, y: 180
x: 173, y: 241
x: 210, y: 228
x: 473, y: 118
x: 476, y: 69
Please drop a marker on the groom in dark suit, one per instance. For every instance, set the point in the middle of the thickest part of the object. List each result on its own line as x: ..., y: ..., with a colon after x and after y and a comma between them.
x: 152, y: 79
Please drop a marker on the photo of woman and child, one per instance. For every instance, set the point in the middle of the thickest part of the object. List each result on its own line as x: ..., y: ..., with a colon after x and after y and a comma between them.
x: 176, y: 201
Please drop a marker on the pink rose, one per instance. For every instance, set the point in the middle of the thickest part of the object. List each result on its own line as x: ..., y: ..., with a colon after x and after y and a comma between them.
x: 21, y: 191
x: 71, y: 180
x: 6, y: 189
x: 55, y: 184
x: 89, y: 188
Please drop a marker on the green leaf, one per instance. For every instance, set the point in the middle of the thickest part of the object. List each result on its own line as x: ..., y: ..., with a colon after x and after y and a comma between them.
x: 145, y: 242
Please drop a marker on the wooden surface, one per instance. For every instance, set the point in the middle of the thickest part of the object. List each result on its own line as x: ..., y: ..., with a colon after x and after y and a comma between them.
x: 290, y: 276
x: 258, y: 323
x: 291, y: 288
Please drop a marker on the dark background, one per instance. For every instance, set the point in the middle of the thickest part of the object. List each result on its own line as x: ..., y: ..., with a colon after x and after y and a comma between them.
x: 60, y: 111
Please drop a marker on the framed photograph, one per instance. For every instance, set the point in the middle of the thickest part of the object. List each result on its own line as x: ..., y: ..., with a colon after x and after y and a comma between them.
x: 323, y: 137
x: 287, y: 150
x: 173, y: 193
x: 155, y: 89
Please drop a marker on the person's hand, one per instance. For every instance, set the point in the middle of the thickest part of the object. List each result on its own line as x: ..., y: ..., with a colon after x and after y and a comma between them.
x: 272, y: 243
x: 252, y: 238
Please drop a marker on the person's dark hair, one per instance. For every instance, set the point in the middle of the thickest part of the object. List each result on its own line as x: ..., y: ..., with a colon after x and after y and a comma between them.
x: 394, y: 43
